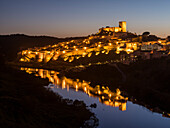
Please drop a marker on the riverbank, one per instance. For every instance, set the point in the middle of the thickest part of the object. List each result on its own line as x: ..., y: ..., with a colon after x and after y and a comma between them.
x: 24, y: 102
x: 57, y: 66
x: 147, y: 81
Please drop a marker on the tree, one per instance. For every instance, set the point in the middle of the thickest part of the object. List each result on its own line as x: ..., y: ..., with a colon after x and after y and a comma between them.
x: 145, y: 36
x: 146, y: 33
x: 168, y: 38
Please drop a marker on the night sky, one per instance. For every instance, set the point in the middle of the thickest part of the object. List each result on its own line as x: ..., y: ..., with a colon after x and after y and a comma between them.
x: 65, y: 18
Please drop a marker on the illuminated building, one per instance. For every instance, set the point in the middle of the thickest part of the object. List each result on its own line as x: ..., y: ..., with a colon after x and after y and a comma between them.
x: 122, y: 25
x: 121, y: 28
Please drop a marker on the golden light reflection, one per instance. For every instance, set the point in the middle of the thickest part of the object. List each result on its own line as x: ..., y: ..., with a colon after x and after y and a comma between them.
x: 105, y: 95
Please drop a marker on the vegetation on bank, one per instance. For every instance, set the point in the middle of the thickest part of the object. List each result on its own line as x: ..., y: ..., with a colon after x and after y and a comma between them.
x: 98, y: 74
x: 24, y: 102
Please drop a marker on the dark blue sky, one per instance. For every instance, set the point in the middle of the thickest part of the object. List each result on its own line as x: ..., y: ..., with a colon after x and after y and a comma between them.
x: 64, y: 18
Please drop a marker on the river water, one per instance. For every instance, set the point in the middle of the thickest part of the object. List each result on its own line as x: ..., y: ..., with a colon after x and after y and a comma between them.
x: 113, y: 110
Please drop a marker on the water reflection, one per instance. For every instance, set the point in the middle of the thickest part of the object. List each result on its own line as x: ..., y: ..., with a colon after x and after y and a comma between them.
x: 105, y: 95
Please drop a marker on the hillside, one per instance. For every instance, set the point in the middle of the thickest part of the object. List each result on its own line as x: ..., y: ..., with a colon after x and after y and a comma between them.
x: 11, y: 44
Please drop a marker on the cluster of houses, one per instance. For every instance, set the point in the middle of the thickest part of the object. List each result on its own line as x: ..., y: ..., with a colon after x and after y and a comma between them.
x: 154, y: 49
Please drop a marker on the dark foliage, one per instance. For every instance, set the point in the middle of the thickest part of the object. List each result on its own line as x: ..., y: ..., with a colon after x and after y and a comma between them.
x: 24, y: 102
x: 146, y: 33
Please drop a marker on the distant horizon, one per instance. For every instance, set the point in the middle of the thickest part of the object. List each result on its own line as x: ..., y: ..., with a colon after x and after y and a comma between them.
x: 38, y: 35
x: 67, y: 36
x: 82, y: 18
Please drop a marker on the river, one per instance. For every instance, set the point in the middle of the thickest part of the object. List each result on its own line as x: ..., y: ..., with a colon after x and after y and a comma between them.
x: 113, y: 110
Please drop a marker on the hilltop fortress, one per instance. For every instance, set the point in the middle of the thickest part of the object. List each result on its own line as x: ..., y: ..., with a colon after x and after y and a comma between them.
x: 121, y: 28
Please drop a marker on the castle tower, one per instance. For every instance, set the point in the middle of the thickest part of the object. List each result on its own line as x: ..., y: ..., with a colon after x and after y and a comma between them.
x: 122, y: 25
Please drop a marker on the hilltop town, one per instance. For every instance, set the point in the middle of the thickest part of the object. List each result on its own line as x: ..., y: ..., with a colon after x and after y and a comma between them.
x: 107, y: 39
